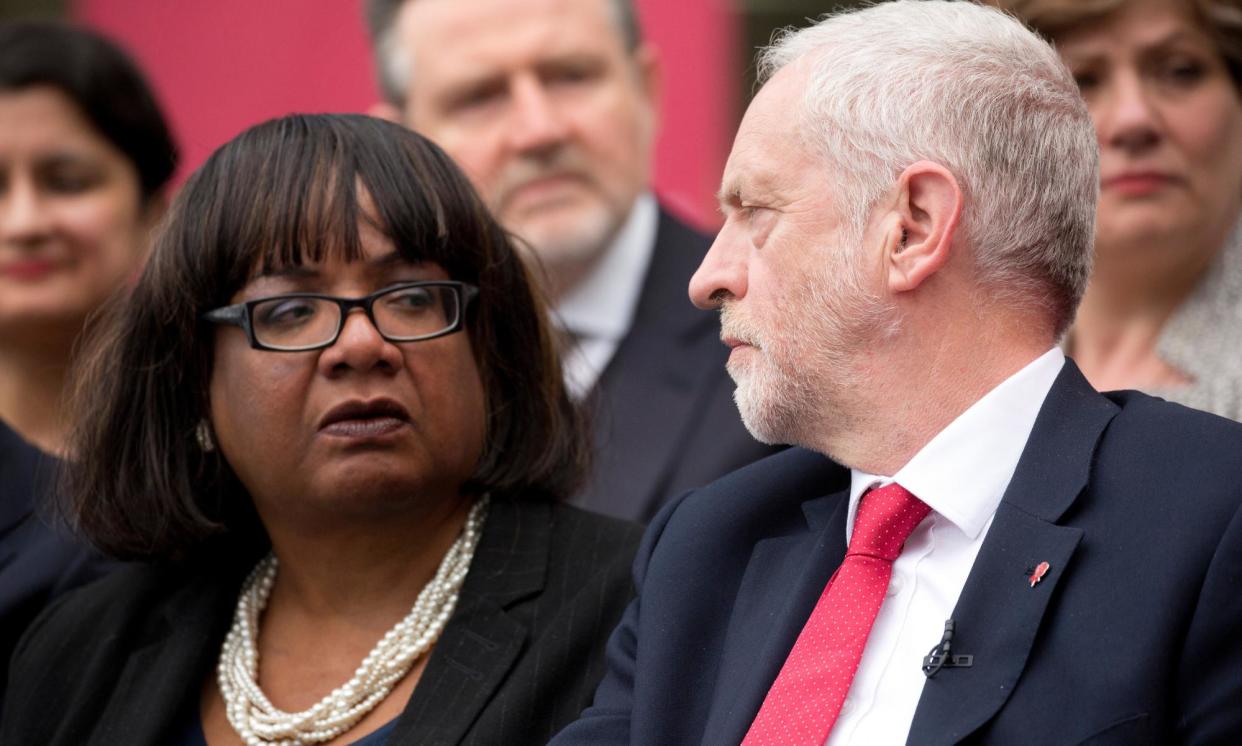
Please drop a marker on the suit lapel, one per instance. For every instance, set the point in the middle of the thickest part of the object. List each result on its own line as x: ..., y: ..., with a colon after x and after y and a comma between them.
x: 482, y: 640
x: 655, y: 381
x: 785, y: 577
x: 999, y: 612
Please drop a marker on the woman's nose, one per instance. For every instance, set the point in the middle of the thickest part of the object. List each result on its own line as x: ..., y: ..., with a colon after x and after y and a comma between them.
x: 24, y: 217
x: 359, y: 347
x: 1128, y: 116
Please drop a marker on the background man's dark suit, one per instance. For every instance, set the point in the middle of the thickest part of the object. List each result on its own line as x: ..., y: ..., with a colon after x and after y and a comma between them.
x: 1133, y: 636
x: 37, y: 562
x: 519, y: 658
x: 665, y: 420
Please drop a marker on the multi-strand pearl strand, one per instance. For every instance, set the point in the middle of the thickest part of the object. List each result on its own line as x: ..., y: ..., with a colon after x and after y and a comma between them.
x: 259, y: 723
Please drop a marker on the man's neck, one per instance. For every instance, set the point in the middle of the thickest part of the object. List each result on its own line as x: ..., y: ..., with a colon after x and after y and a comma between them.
x: 919, y: 385
x: 560, y: 279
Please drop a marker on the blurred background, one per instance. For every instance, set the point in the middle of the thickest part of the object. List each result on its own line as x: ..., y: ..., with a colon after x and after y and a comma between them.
x: 220, y: 66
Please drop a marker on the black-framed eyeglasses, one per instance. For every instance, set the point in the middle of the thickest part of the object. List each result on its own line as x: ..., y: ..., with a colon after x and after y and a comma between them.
x: 296, y: 322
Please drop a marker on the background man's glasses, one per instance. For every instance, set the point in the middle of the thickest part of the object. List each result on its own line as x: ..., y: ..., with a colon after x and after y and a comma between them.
x: 294, y: 322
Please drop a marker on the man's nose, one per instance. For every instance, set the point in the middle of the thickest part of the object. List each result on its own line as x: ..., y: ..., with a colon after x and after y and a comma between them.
x: 722, y: 274
x: 537, y: 122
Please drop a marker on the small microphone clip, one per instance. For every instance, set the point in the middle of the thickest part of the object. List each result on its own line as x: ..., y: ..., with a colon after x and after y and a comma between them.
x: 941, y: 655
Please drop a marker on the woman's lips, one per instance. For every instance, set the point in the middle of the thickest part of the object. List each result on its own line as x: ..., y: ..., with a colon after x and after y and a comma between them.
x: 367, y: 427
x: 28, y: 270
x: 359, y: 419
x: 1137, y: 184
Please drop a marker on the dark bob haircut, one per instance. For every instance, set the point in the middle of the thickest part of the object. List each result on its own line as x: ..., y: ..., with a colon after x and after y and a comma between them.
x: 102, y: 81
x: 283, y: 193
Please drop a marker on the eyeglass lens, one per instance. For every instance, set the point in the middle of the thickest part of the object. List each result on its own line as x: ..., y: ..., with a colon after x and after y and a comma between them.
x: 401, y: 314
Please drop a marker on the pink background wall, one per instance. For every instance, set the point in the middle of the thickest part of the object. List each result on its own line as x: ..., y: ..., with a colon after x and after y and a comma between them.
x: 223, y: 65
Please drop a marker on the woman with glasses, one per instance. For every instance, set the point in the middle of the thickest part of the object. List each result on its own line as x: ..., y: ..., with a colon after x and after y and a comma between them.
x: 330, y: 424
x: 84, y: 158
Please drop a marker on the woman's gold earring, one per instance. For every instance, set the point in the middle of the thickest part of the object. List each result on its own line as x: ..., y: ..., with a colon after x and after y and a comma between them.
x: 202, y: 433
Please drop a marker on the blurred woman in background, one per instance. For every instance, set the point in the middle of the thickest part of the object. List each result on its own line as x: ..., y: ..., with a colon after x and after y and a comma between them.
x: 331, y: 424
x: 84, y: 157
x: 1163, y: 81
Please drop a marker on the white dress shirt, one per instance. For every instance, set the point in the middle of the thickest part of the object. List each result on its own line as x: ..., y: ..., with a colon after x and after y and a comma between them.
x: 599, y: 310
x: 962, y: 473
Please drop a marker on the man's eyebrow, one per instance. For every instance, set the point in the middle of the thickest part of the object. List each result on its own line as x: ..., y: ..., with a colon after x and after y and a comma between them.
x: 470, y: 87
x: 754, y: 184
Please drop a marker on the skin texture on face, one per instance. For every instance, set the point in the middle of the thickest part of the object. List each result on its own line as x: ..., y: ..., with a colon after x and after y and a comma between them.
x: 272, y: 411
x: 545, y: 110
x: 1169, y: 121
x: 798, y: 301
x: 72, y: 224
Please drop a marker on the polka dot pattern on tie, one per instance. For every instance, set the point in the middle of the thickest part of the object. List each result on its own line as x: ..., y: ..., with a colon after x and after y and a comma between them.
x: 804, y: 701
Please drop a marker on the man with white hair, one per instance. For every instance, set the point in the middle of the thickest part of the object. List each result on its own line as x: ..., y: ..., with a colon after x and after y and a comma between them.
x: 1011, y: 557
x: 551, y: 109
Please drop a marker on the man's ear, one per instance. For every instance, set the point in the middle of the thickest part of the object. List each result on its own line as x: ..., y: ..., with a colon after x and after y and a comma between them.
x: 385, y: 110
x: 919, y: 237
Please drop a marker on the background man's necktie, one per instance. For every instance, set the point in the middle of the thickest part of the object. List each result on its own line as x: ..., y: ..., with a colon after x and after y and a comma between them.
x: 804, y: 701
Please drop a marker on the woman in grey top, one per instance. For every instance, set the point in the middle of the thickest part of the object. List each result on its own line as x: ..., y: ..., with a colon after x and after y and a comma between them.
x: 1162, y: 78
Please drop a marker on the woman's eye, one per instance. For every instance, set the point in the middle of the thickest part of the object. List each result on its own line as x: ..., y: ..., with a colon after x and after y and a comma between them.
x: 68, y: 182
x: 286, y: 312
x: 1182, y: 72
x: 1086, y: 81
x: 411, y: 299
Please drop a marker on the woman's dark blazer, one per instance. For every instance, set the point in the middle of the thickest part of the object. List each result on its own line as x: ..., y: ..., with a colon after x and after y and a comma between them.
x: 124, y: 660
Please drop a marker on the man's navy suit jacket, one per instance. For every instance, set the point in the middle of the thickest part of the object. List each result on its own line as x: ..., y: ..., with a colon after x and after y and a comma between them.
x: 1134, y: 635
x: 663, y: 410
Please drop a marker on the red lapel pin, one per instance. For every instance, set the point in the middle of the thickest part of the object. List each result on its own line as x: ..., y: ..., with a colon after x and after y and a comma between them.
x: 1040, y: 571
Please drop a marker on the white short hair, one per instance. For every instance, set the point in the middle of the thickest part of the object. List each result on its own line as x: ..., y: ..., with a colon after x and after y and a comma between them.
x: 394, y: 64
x: 972, y: 89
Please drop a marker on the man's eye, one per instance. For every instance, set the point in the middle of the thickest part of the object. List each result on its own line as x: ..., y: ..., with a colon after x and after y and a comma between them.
x: 477, y: 97
x: 571, y: 75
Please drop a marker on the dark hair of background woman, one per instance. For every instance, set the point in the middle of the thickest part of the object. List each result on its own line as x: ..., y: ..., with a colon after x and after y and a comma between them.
x: 103, y: 82
x: 283, y: 193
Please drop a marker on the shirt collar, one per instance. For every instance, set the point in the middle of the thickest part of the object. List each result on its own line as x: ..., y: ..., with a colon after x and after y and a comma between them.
x: 963, y: 472
x: 602, y: 305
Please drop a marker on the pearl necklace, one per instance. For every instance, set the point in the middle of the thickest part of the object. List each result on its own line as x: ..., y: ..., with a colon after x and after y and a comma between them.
x: 254, y: 717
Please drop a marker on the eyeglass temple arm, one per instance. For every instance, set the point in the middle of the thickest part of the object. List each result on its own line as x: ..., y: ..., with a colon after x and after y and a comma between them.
x: 235, y: 314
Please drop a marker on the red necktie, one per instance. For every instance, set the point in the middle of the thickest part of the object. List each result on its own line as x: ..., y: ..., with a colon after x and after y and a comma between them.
x: 803, y: 703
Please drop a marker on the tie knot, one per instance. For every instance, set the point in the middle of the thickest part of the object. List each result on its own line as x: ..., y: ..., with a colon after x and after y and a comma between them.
x: 885, y: 518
